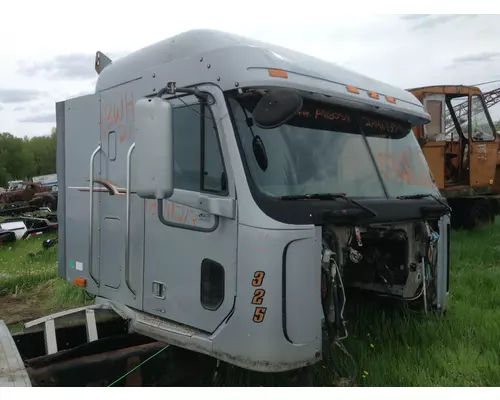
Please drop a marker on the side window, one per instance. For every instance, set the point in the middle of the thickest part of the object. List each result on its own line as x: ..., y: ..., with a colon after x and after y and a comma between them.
x: 198, y: 164
x: 214, y: 179
x: 187, y: 148
x: 481, y: 128
x: 434, y: 128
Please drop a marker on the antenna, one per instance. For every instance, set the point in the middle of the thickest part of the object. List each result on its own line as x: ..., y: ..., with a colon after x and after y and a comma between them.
x: 101, y: 61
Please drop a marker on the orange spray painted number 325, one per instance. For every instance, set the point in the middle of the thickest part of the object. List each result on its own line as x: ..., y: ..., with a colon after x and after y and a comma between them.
x: 258, y: 297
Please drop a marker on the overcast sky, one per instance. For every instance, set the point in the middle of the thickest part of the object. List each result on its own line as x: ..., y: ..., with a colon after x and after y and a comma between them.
x: 47, y: 57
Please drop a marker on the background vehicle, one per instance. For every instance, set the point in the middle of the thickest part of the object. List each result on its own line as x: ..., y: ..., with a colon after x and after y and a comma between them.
x: 462, y: 147
x: 23, y: 192
x: 46, y: 180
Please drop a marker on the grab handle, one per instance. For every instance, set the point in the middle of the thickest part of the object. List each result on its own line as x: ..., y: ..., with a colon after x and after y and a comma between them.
x: 127, y: 226
x: 91, y: 206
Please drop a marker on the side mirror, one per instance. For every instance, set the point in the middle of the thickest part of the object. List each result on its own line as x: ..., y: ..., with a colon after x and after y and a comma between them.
x: 153, y: 162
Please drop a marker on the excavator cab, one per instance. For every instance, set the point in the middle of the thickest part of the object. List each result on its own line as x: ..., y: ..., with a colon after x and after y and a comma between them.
x: 460, y: 143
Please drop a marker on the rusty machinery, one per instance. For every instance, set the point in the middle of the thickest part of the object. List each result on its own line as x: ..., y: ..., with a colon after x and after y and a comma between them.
x: 462, y: 149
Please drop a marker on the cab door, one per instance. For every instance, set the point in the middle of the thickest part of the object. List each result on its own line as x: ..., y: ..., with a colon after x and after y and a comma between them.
x: 190, y: 254
x: 482, y: 146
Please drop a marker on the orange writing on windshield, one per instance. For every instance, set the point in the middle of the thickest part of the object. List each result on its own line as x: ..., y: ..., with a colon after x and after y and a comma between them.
x: 405, y: 167
x: 321, y: 113
x: 381, y: 125
x: 331, y: 115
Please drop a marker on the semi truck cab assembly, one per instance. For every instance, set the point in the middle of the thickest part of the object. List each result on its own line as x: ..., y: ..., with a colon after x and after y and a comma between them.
x: 222, y: 194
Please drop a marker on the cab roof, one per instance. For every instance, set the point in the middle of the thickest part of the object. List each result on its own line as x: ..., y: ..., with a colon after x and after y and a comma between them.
x: 243, y: 60
x: 459, y: 90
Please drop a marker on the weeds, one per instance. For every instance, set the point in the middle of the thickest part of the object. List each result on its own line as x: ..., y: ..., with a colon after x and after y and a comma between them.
x: 391, y: 348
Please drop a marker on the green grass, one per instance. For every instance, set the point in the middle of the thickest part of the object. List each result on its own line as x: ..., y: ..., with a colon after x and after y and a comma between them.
x: 29, y: 284
x: 20, y: 271
x: 461, y: 348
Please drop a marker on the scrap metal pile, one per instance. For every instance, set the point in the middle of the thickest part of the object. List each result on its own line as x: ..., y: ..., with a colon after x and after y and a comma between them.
x: 27, y: 209
x: 26, y: 226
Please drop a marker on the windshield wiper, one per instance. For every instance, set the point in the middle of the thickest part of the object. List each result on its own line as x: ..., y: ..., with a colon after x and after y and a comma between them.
x: 423, y: 195
x: 328, y: 196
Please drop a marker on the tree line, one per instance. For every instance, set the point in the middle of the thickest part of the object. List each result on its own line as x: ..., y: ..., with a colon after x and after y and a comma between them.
x: 24, y: 158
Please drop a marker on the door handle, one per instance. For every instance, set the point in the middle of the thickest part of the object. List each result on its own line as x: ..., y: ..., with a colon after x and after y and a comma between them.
x: 159, y: 290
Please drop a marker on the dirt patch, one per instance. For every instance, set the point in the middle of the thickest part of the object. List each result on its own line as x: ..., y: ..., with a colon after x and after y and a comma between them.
x: 22, y: 307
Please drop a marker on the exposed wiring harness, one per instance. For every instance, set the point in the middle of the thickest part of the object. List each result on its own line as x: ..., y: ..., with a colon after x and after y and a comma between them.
x: 354, y: 370
x: 427, y: 268
x: 333, y: 274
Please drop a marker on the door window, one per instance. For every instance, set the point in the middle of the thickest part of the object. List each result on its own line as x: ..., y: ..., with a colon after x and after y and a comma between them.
x: 198, y: 162
x: 480, y: 124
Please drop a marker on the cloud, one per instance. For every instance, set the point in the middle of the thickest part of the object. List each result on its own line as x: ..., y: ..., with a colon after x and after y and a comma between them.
x: 30, y: 109
x: 73, y: 66
x: 67, y: 66
x: 481, y: 57
x: 18, y: 95
x: 41, y: 118
x: 427, y: 21
x: 411, y: 17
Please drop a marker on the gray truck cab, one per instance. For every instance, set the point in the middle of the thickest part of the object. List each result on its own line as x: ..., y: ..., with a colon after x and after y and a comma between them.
x: 222, y: 194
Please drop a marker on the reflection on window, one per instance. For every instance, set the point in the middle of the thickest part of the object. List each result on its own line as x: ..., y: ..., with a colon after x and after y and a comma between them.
x: 187, y: 121
x: 307, y: 157
x: 403, y: 165
x: 434, y: 130
x: 303, y: 160
x: 481, y: 128
x: 214, y: 176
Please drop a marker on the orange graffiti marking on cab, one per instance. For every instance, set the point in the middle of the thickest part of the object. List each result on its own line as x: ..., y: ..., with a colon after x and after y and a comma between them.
x: 404, y: 166
x: 173, y: 211
x: 118, y: 116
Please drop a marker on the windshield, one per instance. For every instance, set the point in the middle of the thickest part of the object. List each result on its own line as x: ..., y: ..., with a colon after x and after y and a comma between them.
x: 323, y: 150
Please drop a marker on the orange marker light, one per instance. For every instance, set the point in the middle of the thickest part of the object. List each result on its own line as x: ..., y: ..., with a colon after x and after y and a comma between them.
x: 373, y: 95
x: 353, y: 89
x: 278, y: 73
x: 82, y: 282
x: 390, y: 99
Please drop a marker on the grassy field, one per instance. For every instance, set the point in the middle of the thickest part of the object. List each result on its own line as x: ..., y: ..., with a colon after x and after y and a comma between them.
x: 390, y: 348
x: 461, y: 349
x: 29, y: 285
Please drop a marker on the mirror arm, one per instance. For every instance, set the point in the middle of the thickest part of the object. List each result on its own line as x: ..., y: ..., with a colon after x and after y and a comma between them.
x: 172, y: 89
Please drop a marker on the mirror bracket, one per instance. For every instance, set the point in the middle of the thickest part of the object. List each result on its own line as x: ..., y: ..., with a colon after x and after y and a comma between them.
x: 172, y: 89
